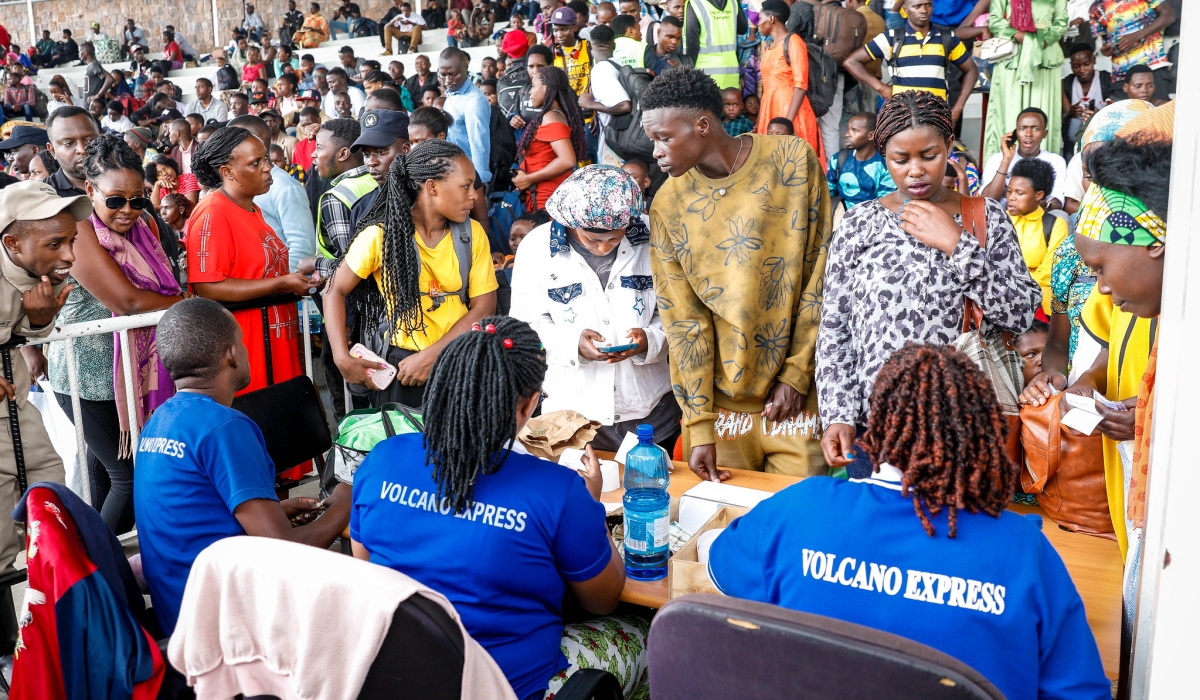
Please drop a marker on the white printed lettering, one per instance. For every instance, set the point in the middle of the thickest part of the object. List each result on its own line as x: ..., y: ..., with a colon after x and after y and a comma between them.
x: 423, y: 501
x: 958, y: 586
x: 818, y: 565
x: 860, y: 577
x: 986, y: 595
x: 829, y: 562
x: 894, y: 578
x: 973, y: 594
x: 488, y: 512
x: 477, y: 511
x: 929, y: 581
x: 877, y: 575
x: 806, y: 555
x: 841, y: 575
x: 998, y: 608
x: 912, y: 590
x: 520, y: 522
x: 943, y: 586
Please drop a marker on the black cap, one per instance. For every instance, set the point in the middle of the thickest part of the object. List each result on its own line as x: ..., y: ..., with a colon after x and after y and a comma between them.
x: 23, y: 135
x: 169, y: 115
x: 381, y: 128
x: 258, y: 97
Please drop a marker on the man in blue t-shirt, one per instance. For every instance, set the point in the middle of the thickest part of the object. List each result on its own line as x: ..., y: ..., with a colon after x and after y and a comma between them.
x: 203, y: 472
x: 858, y: 173
x: 996, y: 597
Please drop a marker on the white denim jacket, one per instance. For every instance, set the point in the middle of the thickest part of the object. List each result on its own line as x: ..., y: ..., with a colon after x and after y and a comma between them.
x: 556, y: 292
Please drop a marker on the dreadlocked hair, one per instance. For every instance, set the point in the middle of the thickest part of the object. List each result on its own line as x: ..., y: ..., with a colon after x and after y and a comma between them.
x: 910, y: 109
x: 392, y: 210
x: 558, y: 89
x: 934, y: 417
x: 215, y: 152
x: 471, y: 401
x: 107, y: 153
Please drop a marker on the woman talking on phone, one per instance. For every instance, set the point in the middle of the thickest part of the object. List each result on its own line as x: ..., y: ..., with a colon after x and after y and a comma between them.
x: 420, y: 292
x: 899, y: 269
x: 583, y: 282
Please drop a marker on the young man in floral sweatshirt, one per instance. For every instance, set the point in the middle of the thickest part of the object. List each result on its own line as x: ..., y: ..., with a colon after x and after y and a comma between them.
x: 740, y: 232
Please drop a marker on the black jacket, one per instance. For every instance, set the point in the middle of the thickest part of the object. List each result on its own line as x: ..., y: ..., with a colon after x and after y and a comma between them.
x: 1105, y: 88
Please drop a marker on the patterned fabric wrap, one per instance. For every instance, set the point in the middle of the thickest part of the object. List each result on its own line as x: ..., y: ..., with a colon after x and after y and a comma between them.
x: 567, y: 294
x: 1105, y: 124
x: 1110, y: 216
x: 1154, y: 126
x: 613, y: 644
x: 600, y: 197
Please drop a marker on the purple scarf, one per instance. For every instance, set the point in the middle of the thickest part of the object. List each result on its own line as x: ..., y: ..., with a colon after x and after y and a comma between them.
x: 140, y: 255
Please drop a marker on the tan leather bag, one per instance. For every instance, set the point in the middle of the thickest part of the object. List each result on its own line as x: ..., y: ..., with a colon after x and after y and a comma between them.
x: 1065, y: 469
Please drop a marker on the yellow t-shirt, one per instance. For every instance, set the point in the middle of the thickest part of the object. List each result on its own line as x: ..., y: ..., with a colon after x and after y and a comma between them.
x: 1128, y: 340
x: 365, y: 258
x: 1039, y: 255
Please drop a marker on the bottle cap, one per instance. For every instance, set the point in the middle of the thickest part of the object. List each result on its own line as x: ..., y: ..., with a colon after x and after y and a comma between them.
x: 645, y: 431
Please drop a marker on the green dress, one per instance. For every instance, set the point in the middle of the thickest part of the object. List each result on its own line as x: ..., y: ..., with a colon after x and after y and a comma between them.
x: 1032, y: 78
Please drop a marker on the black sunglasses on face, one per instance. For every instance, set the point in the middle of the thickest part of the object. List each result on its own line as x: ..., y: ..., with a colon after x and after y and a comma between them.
x: 138, y: 203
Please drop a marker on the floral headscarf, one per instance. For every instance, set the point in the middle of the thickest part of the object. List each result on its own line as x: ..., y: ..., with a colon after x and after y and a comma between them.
x: 1110, y: 216
x: 600, y: 197
x: 1105, y: 124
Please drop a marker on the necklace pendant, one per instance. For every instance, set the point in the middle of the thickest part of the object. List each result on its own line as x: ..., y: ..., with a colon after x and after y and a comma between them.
x: 721, y: 191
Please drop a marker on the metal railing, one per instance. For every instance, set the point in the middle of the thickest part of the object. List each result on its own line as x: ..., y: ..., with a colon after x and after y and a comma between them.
x: 121, y: 325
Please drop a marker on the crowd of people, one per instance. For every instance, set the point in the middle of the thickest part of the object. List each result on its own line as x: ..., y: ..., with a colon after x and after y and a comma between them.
x: 756, y: 229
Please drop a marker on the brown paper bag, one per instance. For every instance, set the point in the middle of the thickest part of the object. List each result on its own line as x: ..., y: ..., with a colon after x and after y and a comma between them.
x: 549, y: 434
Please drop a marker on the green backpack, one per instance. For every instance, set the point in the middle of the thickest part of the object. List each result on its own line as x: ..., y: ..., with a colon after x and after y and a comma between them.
x: 360, y: 431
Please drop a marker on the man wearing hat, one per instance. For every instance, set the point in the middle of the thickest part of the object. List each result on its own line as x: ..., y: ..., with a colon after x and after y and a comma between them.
x: 22, y: 145
x: 516, y: 77
x: 258, y: 103
x: 139, y: 67
x: 384, y: 136
x: 337, y: 163
x: 598, y: 243
x: 572, y: 54
x: 141, y: 140
x: 37, y: 228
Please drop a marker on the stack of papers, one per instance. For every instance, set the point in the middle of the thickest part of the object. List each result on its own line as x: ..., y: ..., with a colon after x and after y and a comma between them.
x: 703, y: 500
x: 1084, y: 416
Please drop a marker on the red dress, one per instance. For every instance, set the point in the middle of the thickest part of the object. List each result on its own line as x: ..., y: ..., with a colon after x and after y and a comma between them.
x: 541, y: 154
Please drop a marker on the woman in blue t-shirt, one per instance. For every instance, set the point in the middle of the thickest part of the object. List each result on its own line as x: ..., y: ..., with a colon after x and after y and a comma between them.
x: 501, y: 533
x: 992, y: 593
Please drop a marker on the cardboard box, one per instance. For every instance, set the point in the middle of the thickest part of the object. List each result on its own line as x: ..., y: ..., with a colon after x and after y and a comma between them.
x: 685, y: 573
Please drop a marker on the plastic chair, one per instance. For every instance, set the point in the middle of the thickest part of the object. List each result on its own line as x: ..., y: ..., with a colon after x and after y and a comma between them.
x: 292, y: 421
x: 768, y: 651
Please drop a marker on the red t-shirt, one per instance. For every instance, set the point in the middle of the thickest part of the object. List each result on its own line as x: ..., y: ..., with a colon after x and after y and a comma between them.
x: 541, y: 154
x: 302, y: 153
x: 226, y: 241
x: 173, y: 53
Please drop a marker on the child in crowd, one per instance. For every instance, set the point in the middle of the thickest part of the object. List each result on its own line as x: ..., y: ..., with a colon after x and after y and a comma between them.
x: 488, y: 87
x: 306, y: 137
x: 115, y: 121
x: 733, y: 120
x: 640, y: 173
x: 1038, y: 231
x: 780, y: 126
x: 205, y: 132
x: 750, y: 108
x: 279, y: 159
x: 857, y: 173
x: 1030, y: 345
x: 949, y: 180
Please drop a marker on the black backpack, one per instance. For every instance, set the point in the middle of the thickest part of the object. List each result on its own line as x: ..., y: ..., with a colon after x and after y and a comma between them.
x: 510, y: 86
x: 822, y: 68
x: 504, y: 150
x: 624, y: 134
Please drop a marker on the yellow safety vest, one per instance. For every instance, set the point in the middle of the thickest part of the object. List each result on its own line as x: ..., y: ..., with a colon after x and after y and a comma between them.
x: 718, y: 42
x: 347, y: 192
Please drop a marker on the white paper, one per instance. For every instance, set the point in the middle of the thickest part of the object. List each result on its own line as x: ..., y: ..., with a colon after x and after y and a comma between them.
x: 573, y: 458
x: 1081, y: 420
x: 1081, y: 402
x: 627, y: 444
x: 703, y: 500
x: 1111, y: 405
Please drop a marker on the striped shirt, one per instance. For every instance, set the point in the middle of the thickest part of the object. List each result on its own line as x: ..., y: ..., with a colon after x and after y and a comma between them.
x: 921, y: 64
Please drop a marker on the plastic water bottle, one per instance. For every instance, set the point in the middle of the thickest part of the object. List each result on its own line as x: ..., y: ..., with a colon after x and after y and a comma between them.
x: 647, y: 509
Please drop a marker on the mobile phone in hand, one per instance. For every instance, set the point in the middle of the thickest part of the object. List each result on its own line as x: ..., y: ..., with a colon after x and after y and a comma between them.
x: 618, y: 348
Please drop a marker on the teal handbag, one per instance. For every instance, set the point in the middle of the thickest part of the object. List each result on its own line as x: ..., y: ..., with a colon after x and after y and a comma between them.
x: 360, y: 431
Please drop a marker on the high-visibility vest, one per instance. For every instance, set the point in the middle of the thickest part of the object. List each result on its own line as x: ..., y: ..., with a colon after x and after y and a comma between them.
x: 718, y: 42
x: 348, y: 191
x: 629, y: 52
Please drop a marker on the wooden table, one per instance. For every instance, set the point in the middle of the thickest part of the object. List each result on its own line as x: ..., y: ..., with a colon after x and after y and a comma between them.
x: 1094, y: 563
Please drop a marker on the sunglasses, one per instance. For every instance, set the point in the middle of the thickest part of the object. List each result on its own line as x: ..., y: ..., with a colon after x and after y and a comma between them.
x: 138, y: 203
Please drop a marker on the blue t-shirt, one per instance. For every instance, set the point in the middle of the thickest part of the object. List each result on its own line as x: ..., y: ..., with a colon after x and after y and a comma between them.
x: 996, y: 597
x: 859, y: 181
x: 196, y: 461
x: 951, y: 13
x: 504, y: 563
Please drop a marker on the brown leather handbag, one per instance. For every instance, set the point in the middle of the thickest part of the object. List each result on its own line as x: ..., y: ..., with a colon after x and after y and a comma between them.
x: 1065, y: 469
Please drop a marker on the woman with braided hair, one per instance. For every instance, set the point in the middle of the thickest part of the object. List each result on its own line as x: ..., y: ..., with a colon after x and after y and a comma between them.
x: 234, y: 256
x: 554, y: 141
x: 924, y: 548
x: 501, y: 533
x: 407, y: 248
x: 900, y: 267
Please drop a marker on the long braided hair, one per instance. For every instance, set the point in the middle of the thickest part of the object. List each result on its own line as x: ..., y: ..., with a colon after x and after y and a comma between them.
x: 215, y: 152
x: 392, y: 210
x: 934, y: 417
x: 471, y: 401
x: 910, y: 109
x: 558, y: 90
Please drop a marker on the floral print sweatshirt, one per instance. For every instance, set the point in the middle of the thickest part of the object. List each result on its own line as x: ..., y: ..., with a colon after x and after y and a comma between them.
x: 738, y: 277
x: 884, y: 289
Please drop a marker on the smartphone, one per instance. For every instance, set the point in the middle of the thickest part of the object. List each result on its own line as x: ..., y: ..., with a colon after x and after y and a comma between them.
x: 618, y: 348
x: 1012, y: 139
x: 381, y: 378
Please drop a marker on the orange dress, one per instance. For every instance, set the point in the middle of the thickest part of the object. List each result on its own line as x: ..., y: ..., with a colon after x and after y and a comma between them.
x: 778, y: 81
x: 541, y: 154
